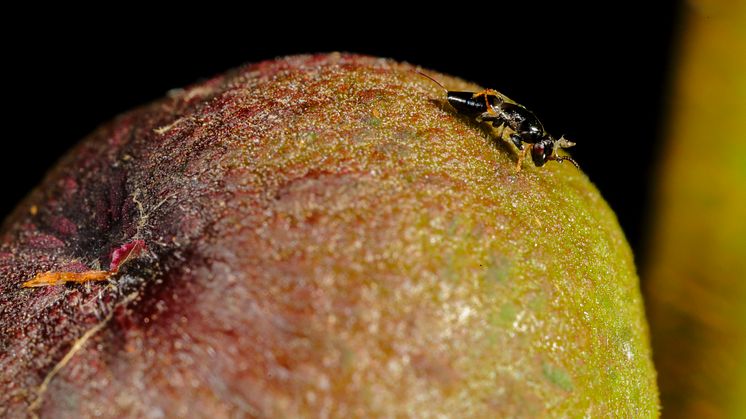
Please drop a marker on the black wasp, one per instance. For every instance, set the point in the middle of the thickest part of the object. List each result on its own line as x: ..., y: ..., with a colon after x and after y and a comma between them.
x: 513, y: 120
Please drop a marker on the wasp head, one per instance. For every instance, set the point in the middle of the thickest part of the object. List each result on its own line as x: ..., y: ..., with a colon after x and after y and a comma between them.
x: 546, y: 149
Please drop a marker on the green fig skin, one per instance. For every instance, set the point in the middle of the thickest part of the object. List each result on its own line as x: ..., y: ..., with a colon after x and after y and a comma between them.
x: 325, y: 237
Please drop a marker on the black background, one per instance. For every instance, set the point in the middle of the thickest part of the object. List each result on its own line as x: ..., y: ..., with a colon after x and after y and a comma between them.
x: 599, y: 75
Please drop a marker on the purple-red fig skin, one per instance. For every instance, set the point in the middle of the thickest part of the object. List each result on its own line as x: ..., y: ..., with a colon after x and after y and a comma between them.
x: 299, y: 262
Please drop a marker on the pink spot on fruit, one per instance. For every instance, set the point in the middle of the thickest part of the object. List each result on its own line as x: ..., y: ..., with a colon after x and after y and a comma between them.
x: 124, y: 253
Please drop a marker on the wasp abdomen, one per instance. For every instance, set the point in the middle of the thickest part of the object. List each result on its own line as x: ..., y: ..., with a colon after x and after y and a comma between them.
x: 466, y: 104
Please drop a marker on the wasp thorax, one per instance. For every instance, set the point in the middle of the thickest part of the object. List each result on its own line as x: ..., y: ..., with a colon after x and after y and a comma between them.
x: 533, y: 134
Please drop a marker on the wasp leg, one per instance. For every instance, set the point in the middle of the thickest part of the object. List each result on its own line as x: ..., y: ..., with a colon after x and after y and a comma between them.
x: 500, y: 128
x: 508, y: 134
x: 487, y: 93
x: 503, y: 132
x: 487, y: 116
x: 522, y: 156
x: 517, y: 141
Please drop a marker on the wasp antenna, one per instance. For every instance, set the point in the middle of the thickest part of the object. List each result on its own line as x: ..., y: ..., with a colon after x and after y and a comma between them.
x: 563, y: 158
x: 434, y: 81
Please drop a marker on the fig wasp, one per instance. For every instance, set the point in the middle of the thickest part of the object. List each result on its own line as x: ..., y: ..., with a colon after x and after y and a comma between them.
x: 514, y: 121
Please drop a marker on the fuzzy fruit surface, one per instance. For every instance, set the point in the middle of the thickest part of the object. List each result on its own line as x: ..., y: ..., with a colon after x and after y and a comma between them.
x: 324, y: 236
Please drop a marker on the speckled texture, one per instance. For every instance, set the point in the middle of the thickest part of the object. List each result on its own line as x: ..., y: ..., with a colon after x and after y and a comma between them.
x: 325, y: 238
x: 697, y: 272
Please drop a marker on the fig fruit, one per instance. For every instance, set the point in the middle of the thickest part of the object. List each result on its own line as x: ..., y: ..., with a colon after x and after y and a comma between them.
x: 318, y: 236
